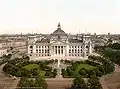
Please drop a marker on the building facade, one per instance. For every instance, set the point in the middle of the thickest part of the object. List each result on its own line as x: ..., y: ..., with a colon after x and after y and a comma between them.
x: 59, y: 45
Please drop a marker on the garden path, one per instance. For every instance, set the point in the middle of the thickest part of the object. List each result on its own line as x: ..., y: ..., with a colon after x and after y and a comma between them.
x: 112, y: 80
x: 5, y: 81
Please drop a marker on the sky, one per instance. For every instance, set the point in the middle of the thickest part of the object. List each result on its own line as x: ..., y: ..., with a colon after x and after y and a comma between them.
x: 75, y: 16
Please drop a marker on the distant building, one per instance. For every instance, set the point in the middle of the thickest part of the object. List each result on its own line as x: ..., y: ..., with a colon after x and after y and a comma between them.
x: 2, y: 50
x: 59, y: 45
x: 17, y: 45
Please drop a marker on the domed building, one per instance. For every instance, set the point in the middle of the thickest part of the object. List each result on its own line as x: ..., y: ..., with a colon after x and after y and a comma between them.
x: 59, y: 45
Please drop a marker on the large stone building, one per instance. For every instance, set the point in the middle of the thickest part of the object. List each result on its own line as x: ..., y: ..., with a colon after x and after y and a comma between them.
x: 59, y: 45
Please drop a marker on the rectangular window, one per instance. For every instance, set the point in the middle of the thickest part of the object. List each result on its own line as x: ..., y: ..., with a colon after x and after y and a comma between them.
x: 39, y: 51
x: 42, y: 51
x: 48, y: 50
x: 36, y: 50
x: 69, y: 51
x: 58, y: 51
x: 62, y: 51
x: 31, y: 51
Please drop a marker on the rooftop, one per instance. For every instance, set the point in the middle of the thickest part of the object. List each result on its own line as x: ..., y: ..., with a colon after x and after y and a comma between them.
x: 59, y: 31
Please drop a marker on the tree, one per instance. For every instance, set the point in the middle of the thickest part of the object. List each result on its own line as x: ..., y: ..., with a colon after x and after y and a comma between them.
x: 64, y: 73
x: 83, y: 72
x: 56, y: 60
x: 9, y: 56
x: 48, y: 73
x: 92, y: 73
x: 93, y: 83
x: 61, y: 60
x: 40, y: 82
x: 54, y: 72
x: 35, y: 72
x: 27, y: 83
x: 79, y: 82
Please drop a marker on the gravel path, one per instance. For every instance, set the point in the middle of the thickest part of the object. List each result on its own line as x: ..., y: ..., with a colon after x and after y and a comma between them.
x: 108, y: 80
x: 6, y: 82
x: 59, y: 83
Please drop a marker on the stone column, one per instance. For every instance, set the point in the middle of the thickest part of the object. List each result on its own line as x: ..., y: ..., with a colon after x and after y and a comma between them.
x: 50, y: 50
x: 34, y: 50
x: 54, y: 50
x: 67, y: 50
x: 64, y: 50
x: 29, y: 49
x: 90, y: 48
x: 60, y: 50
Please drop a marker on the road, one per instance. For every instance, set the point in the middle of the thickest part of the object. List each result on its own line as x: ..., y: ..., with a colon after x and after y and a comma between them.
x: 59, y: 83
x: 112, y: 80
x: 6, y: 82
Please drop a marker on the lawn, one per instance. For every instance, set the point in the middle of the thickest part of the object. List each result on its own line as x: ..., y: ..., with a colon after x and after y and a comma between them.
x: 31, y: 66
x: 86, y: 66
x: 42, y: 73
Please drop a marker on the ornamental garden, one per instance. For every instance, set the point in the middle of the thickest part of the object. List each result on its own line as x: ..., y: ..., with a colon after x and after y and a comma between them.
x: 85, y: 73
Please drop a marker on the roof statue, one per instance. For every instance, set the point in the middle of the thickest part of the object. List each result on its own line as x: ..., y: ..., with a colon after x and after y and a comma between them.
x: 59, y: 25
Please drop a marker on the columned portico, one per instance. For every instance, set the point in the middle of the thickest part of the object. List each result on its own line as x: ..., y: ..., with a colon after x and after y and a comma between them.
x: 58, y: 50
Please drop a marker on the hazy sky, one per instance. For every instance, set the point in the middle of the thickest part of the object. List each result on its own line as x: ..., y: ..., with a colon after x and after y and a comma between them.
x: 42, y: 16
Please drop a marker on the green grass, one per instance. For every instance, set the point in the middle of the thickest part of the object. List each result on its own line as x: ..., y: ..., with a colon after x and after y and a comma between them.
x: 86, y: 66
x: 31, y: 66
x: 42, y: 73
